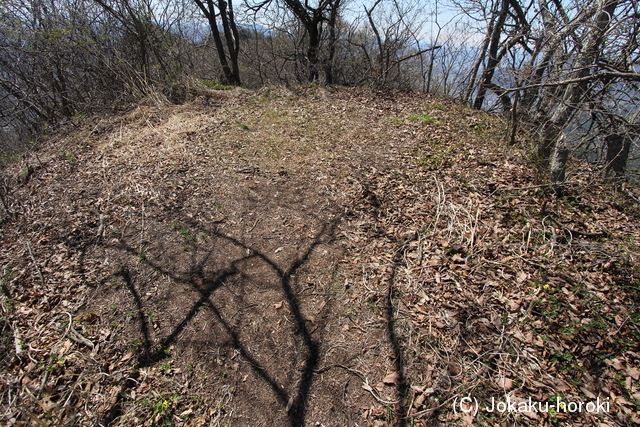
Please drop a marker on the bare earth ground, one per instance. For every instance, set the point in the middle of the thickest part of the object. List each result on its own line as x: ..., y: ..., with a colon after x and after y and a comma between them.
x: 311, y: 257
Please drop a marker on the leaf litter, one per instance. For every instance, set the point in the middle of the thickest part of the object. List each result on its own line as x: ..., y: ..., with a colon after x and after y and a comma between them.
x: 311, y: 257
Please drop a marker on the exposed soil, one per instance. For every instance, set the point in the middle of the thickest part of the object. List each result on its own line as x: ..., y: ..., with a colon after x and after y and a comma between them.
x: 310, y: 257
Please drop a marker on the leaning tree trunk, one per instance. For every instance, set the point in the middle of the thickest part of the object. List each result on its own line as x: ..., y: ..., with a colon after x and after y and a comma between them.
x: 493, y: 61
x: 574, y: 92
x: 479, y: 60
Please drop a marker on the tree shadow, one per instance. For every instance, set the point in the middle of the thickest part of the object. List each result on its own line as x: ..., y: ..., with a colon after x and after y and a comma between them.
x: 199, y: 277
x: 394, y: 340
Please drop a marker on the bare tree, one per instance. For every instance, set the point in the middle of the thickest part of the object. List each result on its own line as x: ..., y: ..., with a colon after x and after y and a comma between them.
x: 56, y: 58
x: 498, y: 48
x: 395, y: 27
x: 581, y: 77
x: 312, y: 18
x: 212, y: 10
x: 333, y: 39
x: 568, y: 66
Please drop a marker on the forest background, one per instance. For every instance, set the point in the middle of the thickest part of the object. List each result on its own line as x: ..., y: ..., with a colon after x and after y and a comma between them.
x: 566, y: 72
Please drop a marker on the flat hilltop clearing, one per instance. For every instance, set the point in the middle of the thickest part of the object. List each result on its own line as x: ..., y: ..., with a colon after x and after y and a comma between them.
x: 316, y: 257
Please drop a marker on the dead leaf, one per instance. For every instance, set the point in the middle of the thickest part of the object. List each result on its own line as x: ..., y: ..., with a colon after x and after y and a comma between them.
x: 391, y: 378
x: 453, y: 369
x: 633, y: 373
x: 529, y: 414
x: 467, y: 419
x: 615, y: 364
x: 483, y: 324
x: 622, y: 401
x: 587, y: 393
x: 197, y: 422
x: 505, y: 383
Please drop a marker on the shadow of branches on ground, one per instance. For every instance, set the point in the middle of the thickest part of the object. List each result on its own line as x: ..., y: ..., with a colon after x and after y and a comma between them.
x: 396, y: 346
x: 206, y: 282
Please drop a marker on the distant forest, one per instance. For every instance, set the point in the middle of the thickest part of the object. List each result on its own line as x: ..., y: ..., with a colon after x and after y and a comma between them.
x: 565, y: 73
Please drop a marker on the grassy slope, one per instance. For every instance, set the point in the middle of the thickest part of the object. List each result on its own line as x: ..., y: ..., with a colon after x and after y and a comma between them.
x: 282, y: 257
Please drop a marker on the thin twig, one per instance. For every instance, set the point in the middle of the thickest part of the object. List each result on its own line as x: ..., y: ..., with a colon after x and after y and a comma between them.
x: 17, y: 339
x: 33, y: 258
x: 531, y: 187
x: 75, y: 336
x: 364, y: 379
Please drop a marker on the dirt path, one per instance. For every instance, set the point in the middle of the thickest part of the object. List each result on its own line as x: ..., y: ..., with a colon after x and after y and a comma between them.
x: 236, y: 273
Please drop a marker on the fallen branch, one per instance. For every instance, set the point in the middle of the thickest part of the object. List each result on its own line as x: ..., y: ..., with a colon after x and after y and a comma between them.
x: 75, y: 336
x: 576, y: 232
x: 630, y: 195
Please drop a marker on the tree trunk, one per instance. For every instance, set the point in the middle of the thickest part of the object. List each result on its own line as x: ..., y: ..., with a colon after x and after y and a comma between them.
x: 231, y: 37
x: 379, y: 67
x: 512, y: 127
x: 493, y: 61
x: 479, y: 61
x: 559, y: 169
x: 333, y: 41
x: 230, y: 75
x: 574, y: 92
x: 618, y: 147
x: 312, y: 53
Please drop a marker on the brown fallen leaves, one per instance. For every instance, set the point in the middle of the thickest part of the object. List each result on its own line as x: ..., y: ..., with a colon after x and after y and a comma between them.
x: 499, y: 300
x: 459, y: 274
